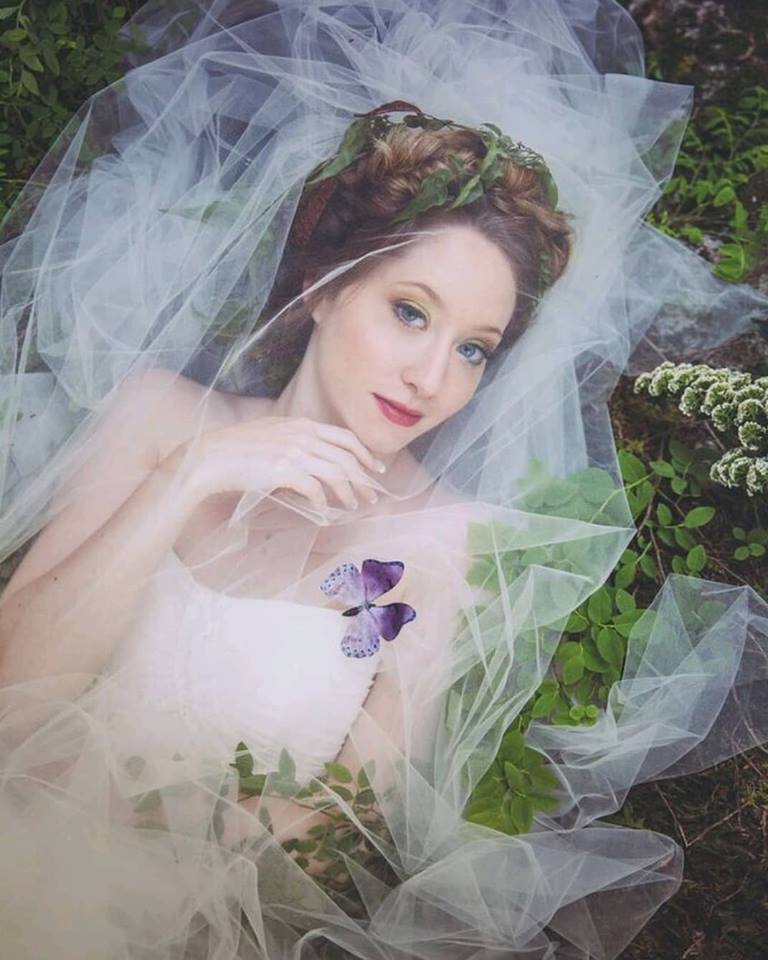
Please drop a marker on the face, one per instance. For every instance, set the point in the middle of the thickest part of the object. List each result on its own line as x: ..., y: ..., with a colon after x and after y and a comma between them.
x: 416, y: 331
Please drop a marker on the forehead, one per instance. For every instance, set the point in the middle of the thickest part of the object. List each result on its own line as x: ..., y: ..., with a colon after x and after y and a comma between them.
x: 466, y: 270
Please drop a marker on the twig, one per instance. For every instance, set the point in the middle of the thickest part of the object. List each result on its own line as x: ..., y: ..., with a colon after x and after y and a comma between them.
x: 658, y: 552
x: 720, y: 822
x: 671, y: 812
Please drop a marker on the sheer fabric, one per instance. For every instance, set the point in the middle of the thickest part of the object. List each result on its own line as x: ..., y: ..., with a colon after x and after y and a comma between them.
x: 149, y: 240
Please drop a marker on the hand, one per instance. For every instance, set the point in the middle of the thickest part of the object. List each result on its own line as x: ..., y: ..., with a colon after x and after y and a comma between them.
x: 269, y: 453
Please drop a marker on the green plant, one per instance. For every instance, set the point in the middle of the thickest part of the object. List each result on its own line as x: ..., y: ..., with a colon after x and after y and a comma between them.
x: 753, y: 543
x: 339, y: 836
x: 53, y: 55
x: 667, y: 497
x: 712, y: 193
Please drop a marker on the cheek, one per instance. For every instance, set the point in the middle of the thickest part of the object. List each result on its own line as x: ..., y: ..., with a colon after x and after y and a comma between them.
x: 460, y: 396
x: 363, y: 341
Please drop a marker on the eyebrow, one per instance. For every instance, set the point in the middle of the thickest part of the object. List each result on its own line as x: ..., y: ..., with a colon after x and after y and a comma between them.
x: 434, y: 296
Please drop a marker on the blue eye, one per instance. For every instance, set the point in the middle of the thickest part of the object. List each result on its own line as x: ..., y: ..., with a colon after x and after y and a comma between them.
x: 408, y: 306
x: 483, y: 353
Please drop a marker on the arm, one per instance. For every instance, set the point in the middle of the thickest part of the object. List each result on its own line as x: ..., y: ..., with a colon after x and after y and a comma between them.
x: 78, y: 587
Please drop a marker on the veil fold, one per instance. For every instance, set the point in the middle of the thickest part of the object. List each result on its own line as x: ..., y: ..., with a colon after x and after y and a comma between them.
x: 141, y: 256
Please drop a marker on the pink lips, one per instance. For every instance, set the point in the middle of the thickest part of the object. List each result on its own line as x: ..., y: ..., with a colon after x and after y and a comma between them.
x: 397, y: 413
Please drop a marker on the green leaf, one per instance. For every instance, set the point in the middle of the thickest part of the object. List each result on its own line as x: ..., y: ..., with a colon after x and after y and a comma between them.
x: 306, y: 846
x: 352, y: 144
x: 756, y: 549
x: 625, y: 601
x: 740, y: 533
x: 521, y: 813
x: 698, y: 517
x: 543, y: 780
x: 31, y: 59
x: 576, y: 623
x: 543, y: 705
x: 342, y: 792
x: 254, y: 784
x: 680, y: 451
x: 684, y: 539
x: 6, y: 12
x: 594, y: 662
x: 696, y: 559
x: 338, y: 772
x: 573, y: 670
x: 567, y: 650
x: 648, y: 566
x: 625, y: 575
x: 679, y: 485
x: 243, y: 759
x: 514, y: 777
x: 725, y: 195
x: 632, y: 468
x: 664, y: 515
x: 51, y: 61
x: 28, y: 80
x: 741, y: 553
x: 286, y: 766
x: 366, y: 797
x: 576, y: 712
x: 600, y: 606
x: 732, y: 264
x: 512, y: 745
x: 662, y: 468
x: 362, y: 778
x: 15, y: 35
x: 610, y: 647
x: 666, y: 535
x: 532, y: 759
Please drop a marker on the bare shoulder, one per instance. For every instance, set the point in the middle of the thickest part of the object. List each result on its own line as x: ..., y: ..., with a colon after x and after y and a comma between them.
x: 178, y: 407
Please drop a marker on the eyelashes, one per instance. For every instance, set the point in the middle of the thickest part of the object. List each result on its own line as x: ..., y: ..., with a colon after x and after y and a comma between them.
x: 485, y: 351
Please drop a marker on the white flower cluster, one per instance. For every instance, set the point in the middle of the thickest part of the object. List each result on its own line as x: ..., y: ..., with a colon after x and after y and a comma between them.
x: 734, y: 402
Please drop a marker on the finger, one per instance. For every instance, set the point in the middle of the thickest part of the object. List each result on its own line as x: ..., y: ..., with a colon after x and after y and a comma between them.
x: 334, y: 476
x: 350, y: 441
x: 364, y: 484
x: 312, y: 489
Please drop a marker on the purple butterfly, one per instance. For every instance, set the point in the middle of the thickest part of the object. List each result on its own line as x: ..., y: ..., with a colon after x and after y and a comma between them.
x: 361, y: 639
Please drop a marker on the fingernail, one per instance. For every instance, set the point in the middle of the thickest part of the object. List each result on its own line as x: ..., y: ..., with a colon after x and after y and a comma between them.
x: 374, y: 497
x: 381, y: 467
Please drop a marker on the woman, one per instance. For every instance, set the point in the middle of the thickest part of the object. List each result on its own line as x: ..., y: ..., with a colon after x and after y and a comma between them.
x: 242, y: 267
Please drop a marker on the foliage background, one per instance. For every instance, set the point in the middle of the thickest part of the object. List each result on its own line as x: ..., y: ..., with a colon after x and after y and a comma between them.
x: 54, y: 55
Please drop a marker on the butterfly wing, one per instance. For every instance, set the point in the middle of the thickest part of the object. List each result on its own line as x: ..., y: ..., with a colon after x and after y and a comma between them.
x: 380, y: 576
x: 345, y: 583
x: 391, y: 618
x: 361, y: 638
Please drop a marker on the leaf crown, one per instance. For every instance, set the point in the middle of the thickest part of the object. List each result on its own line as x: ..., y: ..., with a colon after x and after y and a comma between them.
x: 437, y: 187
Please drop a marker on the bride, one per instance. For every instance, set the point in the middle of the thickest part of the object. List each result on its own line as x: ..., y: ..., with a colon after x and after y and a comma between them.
x: 303, y: 370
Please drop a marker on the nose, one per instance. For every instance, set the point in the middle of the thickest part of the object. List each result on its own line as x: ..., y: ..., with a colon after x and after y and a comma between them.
x: 426, y: 372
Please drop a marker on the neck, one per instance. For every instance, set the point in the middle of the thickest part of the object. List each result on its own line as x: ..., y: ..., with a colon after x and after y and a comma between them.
x: 303, y: 397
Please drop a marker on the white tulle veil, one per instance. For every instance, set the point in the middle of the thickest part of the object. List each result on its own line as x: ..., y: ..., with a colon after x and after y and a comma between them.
x: 150, y: 238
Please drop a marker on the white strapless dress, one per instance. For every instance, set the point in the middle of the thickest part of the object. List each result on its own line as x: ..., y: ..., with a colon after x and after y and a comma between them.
x: 214, y: 670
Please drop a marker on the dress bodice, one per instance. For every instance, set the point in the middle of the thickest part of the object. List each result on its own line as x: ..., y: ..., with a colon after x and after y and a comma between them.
x: 221, y: 669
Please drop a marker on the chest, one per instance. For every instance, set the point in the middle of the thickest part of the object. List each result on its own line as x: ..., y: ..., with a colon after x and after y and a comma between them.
x: 277, y: 553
